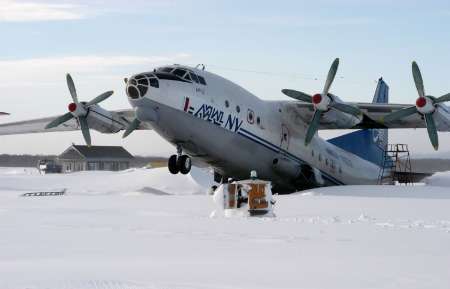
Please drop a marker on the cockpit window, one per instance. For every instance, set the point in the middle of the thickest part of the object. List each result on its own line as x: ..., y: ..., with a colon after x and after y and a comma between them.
x: 179, y: 72
x: 187, y: 77
x: 194, y: 77
x: 154, y: 82
x: 201, y: 80
x: 169, y: 76
x: 166, y: 69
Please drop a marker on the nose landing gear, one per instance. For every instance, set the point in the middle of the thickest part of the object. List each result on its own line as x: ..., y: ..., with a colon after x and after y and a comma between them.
x: 179, y: 163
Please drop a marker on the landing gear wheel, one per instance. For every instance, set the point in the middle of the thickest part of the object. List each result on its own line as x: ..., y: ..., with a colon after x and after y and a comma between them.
x: 172, y: 164
x: 184, y: 164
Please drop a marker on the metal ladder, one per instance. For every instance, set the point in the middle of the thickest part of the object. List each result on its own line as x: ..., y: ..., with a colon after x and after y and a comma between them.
x: 396, y: 167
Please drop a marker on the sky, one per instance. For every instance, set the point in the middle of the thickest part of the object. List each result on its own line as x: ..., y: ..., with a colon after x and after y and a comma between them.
x: 264, y: 46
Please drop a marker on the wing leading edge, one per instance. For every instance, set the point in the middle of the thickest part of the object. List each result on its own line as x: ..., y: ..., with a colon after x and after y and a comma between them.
x: 120, y: 120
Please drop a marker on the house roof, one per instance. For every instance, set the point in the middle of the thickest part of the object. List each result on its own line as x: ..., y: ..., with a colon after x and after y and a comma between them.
x: 98, y: 152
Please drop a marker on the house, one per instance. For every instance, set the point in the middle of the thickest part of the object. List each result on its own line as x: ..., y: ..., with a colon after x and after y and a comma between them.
x: 95, y: 158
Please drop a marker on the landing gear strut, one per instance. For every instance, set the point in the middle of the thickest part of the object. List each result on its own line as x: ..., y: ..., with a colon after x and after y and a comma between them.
x: 179, y: 163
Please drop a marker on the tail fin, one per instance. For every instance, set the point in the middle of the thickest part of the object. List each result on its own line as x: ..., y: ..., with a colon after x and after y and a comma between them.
x: 368, y: 144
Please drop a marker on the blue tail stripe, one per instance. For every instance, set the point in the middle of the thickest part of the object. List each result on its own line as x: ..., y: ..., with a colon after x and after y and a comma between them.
x: 368, y: 144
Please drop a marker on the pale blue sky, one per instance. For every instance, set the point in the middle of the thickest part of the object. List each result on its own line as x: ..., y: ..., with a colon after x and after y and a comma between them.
x: 100, y: 42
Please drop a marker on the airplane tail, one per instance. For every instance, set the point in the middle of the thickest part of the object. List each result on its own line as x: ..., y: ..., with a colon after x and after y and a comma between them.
x: 368, y: 144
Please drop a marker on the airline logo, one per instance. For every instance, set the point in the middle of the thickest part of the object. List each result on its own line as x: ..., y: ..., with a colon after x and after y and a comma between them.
x: 214, y: 115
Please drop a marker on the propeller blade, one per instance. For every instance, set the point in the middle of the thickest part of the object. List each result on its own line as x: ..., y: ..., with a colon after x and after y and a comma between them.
x: 313, y: 127
x: 330, y: 76
x: 85, y: 130
x: 418, y: 79
x: 59, y: 120
x: 131, y: 127
x: 432, y: 131
x: 346, y: 108
x: 297, y: 95
x: 71, y: 85
x: 444, y: 98
x: 3, y: 113
x: 100, y: 98
x: 404, y: 112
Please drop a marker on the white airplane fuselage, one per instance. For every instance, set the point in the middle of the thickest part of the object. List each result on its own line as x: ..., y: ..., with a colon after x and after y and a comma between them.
x: 232, y: 130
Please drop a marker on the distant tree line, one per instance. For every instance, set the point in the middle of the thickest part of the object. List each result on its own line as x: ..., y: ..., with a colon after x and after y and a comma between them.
x: 32, y: 160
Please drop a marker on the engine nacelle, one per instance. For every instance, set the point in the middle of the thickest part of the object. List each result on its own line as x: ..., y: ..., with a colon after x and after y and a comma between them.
x: 104, y: 121
x: 341, y: 119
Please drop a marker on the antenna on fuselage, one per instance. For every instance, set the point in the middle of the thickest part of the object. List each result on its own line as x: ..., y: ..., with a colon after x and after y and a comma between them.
x: 200, y: 65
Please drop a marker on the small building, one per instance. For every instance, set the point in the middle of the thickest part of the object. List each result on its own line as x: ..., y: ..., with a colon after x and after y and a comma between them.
x: 94, y: 158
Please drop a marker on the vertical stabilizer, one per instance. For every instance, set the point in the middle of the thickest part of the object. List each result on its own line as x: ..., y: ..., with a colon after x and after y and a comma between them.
x: 368, y: 144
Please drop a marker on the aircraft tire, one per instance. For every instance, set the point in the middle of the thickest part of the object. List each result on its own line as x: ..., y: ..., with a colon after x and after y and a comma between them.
x: 184, y: 164
x: 173, y: 165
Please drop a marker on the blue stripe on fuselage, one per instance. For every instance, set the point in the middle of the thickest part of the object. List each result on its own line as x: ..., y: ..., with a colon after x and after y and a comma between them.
x: 245, y: 133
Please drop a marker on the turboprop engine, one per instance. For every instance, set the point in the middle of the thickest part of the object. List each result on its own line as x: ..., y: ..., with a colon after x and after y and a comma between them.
x: 426, y: 106
x: 89, y: 114
x: 323, y: 103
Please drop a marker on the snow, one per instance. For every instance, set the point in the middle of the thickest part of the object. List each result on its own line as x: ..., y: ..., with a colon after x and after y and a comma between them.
x: 148, y: 229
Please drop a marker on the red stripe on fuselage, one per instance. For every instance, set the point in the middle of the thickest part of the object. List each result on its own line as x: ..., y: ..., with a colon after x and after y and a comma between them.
x: 186, y: 103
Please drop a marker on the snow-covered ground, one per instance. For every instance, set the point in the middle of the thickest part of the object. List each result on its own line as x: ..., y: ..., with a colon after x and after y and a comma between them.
x: 148, y: 229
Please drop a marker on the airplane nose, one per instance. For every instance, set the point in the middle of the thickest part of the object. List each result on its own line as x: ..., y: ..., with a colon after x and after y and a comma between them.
x: 139, y: 85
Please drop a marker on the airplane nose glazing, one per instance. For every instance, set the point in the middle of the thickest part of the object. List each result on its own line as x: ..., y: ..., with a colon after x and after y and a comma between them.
x: 138, y: 86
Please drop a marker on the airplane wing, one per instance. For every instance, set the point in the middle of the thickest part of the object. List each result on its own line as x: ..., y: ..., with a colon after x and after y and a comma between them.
x: 120, y: 120
x: 373, y: 115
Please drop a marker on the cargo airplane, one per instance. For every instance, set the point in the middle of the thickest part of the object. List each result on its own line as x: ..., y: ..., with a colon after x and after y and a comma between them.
x: 215, y: 122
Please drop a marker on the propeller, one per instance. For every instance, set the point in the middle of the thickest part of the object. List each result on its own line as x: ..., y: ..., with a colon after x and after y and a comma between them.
x: 4, y: 113
x: 425, y: 105
x: 322, y: 102
x: 131, y: 127
x: 78, y: 110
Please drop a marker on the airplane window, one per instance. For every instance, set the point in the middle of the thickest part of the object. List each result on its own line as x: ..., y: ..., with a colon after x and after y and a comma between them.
x: 179, y: 72
x: 133, y: 92
x: 238, y: 109
x: 143, y: 81
x: 194, y: 77
x: 312, y: 153
x: 166, y: 69
x: 187, y: 77
x: 140, y: 76
x: 250, y: 116
x: 154, y: 82
x: 169, y: 77
x: 340, y: 170
x: 320, y: 157
x: 201, y: 80
x: 326, y: 162
x: 258, y: 120
x: 142, y: 89
x: 227, y: 104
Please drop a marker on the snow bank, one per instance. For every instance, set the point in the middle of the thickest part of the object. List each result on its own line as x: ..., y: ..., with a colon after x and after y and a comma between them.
x: 417, y: 191
x: 439, y: 179
x: 156, y: 181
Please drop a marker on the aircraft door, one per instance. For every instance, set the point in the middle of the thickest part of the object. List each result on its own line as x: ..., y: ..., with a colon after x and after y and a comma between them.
x: 285, y: 137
